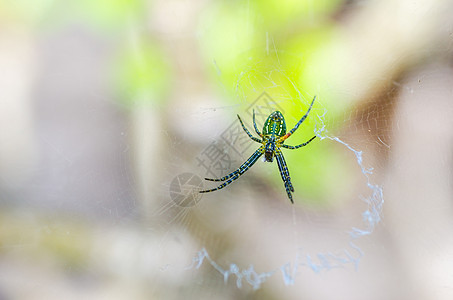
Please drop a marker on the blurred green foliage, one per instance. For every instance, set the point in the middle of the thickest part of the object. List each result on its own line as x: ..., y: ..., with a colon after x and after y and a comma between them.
x: 113, y: 13
x: 142, y: 74
x: 250, y: 46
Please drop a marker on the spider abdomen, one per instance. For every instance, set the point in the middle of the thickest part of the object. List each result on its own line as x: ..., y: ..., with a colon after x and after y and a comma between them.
x: 269, y: 149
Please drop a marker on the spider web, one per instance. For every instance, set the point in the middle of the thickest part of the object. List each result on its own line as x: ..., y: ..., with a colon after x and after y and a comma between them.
x: 304, y: 235
x: 101, y: 199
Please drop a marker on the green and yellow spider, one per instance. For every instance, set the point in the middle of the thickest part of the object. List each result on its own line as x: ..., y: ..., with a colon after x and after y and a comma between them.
x: 272, y: 139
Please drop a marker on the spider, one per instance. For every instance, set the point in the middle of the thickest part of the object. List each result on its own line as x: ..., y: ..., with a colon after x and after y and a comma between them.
x: 272, y: 139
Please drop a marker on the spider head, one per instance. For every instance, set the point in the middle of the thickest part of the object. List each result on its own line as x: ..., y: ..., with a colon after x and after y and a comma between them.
x: 269, y: 150
x: 275, y: 124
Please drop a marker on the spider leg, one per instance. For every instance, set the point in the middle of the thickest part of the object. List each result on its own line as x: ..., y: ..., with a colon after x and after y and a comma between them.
x: 224, y: 177
x: 248, y: 132
x: 241, y: 170
x: 254, y: 125
x: 298, y: 123
x: 284, y: 173
x: 298, y: 146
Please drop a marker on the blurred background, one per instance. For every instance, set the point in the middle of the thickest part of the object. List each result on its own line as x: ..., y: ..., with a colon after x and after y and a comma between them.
x: 113, y: 112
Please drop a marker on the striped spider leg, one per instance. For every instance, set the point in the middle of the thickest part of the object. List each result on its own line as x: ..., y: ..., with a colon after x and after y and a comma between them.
x: 283, y: 168
x: 235, y: 174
